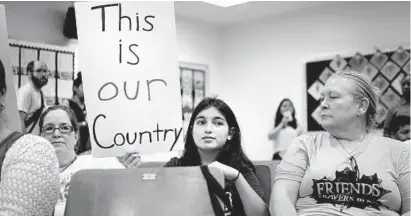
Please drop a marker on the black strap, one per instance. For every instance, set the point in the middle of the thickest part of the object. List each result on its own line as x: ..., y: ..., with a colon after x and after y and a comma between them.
x: 215, y: 191
x: 6, y: 144
x: 36, y: 115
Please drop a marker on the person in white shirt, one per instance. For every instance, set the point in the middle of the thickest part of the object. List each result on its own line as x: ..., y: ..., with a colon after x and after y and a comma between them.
x: 286, y: 128
x: 30, y: 100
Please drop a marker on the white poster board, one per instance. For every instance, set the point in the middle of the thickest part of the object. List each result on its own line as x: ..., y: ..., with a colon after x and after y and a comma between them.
x: 131, y: 81
x: 10, y: 114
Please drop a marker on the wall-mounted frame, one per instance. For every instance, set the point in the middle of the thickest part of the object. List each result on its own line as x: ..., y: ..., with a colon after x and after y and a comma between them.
x: 194, y: 87
x: 60, y: 62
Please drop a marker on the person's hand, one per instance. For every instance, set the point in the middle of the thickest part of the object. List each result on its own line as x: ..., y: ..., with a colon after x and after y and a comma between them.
x: 228, y: 172
x: 284, y: 121
x: 130, y: 160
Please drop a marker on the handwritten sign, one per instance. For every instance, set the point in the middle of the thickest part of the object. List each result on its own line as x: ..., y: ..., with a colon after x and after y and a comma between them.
x: 128, y: 58
x: 9, y: 115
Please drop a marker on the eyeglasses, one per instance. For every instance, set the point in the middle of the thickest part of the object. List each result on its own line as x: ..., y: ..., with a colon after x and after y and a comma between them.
x: 65, y: 129
x: 44, y: 71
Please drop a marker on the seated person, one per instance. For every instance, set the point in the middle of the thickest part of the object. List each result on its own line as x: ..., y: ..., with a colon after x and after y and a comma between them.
x: 58, y: 124
x: 402, y: 107
x: 399, y: 127
x: 345, y: 170
x: 214, y: 139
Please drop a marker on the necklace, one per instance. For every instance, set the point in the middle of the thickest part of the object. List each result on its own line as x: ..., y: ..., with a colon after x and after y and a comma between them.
x: 358, y: 145
x: 66, y: 166
x: 352, y: 160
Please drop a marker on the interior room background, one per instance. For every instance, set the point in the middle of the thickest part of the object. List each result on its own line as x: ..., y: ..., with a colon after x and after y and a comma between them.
x: 251, y: 63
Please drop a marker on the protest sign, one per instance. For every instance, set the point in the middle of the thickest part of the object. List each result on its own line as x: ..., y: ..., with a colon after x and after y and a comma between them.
x: 128, y: 58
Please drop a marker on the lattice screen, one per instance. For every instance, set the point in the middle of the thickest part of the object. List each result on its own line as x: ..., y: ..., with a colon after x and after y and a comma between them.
x: 385, y: 69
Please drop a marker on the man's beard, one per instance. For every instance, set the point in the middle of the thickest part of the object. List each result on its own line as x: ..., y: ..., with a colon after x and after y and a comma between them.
x: 39, y: 83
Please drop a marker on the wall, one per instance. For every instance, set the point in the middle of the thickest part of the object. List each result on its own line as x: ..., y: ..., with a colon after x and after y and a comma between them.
x: 260, y: 61
x: 263, y: 60
x: 200, y: 43
x: 40, y: 22
x: 9, y: 116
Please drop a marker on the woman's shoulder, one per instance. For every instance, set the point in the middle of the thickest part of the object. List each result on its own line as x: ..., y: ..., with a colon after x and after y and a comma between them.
x: 312, y: 138
x: 173, y: 162
x: 395, y: 147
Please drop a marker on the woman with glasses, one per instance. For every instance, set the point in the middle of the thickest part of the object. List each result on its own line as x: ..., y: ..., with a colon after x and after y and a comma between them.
x: 345, y: 170
x: 58, y: 124
x: 29, y: 181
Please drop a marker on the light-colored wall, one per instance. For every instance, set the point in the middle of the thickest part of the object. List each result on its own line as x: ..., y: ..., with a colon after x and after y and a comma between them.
x: 263, y: 61
x: 200, y: 43
x: 9, y: 116
x: 252, y: 65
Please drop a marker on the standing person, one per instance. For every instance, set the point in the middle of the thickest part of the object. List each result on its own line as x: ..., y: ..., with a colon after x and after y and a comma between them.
x: 286, y: 128
x: 345, y: 170
x: 29, y: 182
x: 30, y: 99
x: 214, y: 139
x: 79, y: 108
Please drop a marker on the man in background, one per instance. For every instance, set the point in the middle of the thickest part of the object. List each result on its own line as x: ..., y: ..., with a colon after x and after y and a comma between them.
x: 79, y: 108
x: 400, y: 109
x: 30, y: 100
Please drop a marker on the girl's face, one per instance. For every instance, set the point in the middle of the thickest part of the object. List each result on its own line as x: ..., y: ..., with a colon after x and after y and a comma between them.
x: 287, y: 106
x: 210, y: 129
x: 403, y: 134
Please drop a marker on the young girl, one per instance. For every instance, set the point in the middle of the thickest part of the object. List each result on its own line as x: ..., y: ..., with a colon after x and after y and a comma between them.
x: 214, y: 139
x: 286, y: 128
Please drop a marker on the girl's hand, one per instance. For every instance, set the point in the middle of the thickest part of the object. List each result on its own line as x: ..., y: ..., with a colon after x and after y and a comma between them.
x: 130, y: 160
x: 228, y: 172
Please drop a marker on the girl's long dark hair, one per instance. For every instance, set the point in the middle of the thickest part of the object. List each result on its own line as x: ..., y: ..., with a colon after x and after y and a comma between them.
x: 279, y: 115
x: 231, y: 154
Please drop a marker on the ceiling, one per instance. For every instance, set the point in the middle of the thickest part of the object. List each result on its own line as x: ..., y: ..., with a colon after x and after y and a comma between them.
x: 245, y: 12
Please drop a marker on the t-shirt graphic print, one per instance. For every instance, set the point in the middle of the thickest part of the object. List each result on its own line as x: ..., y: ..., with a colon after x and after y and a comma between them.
x: 348, y: 190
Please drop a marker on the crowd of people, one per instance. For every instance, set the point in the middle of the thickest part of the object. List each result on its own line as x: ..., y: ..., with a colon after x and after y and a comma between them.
x: 343, y: 170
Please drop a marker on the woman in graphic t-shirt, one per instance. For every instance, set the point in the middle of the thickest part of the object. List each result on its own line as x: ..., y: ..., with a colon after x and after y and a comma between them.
x: 286, y: 128
x: 344, y: 170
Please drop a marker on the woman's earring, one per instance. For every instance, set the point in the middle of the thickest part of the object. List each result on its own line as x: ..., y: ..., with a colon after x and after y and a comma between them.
x: 229, y: 137
x: 2, y: 106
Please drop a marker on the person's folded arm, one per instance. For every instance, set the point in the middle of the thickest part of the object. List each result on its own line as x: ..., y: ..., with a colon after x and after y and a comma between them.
x: 288, y: 176
x: 251, y: 195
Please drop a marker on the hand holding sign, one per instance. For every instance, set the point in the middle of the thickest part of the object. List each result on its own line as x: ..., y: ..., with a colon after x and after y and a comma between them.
x: 128, y: 55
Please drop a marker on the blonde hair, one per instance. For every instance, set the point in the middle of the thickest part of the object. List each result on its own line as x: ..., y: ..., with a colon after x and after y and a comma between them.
x: 363, y: 88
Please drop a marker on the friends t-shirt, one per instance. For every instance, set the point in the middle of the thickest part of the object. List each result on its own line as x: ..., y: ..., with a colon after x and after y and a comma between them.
x: 371, y: 180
